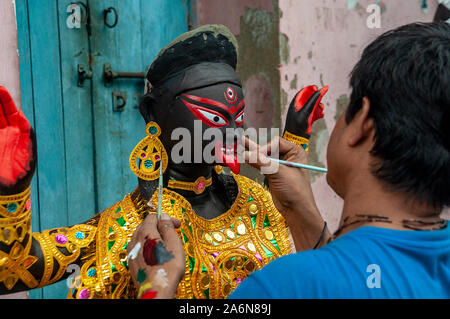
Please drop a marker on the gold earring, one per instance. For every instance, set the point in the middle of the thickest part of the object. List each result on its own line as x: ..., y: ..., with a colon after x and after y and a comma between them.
x: 149, y: 151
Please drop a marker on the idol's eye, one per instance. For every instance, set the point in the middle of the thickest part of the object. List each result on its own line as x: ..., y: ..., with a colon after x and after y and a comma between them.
x: 213, y: 117
x: 207, y: 116
x: 230, y: 93
x: 240, y: 118
x: 230, y: 96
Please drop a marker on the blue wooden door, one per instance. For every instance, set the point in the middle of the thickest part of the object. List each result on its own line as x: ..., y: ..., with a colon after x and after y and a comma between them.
x: 83, y: 142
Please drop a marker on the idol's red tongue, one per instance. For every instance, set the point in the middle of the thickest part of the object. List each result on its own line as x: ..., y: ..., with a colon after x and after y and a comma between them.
x: 229, y: 160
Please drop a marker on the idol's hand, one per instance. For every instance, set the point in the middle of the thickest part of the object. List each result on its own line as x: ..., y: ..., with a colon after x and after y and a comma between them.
x: 304, y: 110
x: 290, y: 189
x: 156, y: 257
x: 17, y: 147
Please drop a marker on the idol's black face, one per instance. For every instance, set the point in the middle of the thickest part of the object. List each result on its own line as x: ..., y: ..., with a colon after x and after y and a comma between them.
x: 211, y: 115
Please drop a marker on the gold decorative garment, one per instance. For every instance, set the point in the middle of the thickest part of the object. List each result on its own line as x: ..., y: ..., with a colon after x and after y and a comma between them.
x: 15, y: 227
x: 220, y: 253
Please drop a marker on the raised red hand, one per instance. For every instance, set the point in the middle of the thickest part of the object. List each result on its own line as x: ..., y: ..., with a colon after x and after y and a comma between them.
x: 17, y: 161
x: 304, y: 110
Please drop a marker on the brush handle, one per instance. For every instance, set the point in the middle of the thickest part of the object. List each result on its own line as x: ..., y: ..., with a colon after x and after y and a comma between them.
x: 160, y: 190
x: 297, y: 165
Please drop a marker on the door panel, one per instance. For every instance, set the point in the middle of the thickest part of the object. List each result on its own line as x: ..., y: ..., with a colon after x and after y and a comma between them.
x: 83, y: 145
x: 116, y: 133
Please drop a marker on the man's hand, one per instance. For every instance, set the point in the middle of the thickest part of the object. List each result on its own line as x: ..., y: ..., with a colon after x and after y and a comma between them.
x: 291, y: 190
x: 156, y: 257
x: 17, y: 147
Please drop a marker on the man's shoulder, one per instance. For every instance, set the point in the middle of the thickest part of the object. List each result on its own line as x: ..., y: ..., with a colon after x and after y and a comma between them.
x: 323, y: 273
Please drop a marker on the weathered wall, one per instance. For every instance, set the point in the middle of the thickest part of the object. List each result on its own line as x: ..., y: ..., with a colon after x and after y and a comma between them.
x: 286, y: 45
x: 255, y: 23
x: 9, y: 67
x: 322, y: 41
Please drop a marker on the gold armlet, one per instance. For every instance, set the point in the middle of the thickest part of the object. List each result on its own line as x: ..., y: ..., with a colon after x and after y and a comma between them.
x: 15, y: 232
x: 62, y: 246
x: 297, y: 140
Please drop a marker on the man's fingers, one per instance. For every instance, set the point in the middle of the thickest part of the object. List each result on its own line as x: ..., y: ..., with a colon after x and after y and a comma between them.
x: 272, y: 148
x: 277, y: 147
x: 149, y: 227
x: 176, y: 223
x: 169, y: 236
x: 249, y: 145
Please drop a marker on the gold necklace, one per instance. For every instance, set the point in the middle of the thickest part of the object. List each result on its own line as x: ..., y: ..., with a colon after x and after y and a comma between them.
x: 197, y: 187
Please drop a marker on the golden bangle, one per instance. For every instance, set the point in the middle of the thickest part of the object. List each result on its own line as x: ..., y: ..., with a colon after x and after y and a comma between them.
x: 297, y: 140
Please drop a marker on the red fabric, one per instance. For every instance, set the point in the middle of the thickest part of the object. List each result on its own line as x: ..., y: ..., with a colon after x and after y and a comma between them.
x: 15, y: 144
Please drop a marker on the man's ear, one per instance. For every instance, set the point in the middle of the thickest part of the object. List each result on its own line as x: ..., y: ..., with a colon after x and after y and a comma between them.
x: 146, y: 108
x: 361, y: 126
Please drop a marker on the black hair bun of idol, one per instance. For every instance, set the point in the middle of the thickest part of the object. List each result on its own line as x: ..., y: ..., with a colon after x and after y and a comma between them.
x: 208, y: 43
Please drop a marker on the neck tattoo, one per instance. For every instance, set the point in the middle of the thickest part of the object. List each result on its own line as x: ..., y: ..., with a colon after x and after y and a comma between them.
x: 412, y: 224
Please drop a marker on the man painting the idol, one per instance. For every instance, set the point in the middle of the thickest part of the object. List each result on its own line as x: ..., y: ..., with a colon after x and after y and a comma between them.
x: 389, y: 159
x: 228, y: 224
x: 189, y: 230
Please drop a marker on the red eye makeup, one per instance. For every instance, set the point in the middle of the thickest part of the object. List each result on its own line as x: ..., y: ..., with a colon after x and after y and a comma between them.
x: 209, y: 117
x: 203, y: 109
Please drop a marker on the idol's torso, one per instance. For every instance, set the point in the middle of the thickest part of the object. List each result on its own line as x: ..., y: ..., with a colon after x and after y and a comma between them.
x: 220, y: 253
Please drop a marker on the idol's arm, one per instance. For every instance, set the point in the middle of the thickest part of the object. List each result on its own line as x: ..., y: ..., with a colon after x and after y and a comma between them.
x: 34, y: 260
x: 304, y: 110
x: 29, y: 260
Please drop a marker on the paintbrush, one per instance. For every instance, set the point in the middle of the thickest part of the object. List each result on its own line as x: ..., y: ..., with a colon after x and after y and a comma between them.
x: 297, y: 165
x: 160, y: 189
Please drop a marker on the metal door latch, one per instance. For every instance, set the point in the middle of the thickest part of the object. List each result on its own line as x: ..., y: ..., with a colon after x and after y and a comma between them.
x: 83, y: 74
x: 119, y: 100
x: 109, y: 75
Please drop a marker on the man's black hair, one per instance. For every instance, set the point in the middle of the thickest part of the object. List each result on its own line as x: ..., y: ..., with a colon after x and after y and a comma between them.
x: 405, y: 73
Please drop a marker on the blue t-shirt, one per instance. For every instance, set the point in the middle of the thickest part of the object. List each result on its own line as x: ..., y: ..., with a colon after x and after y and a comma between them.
x: 369, y: 262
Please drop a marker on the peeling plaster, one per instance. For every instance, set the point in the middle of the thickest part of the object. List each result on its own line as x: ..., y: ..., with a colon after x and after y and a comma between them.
x: 284, y: 103
x: 294, y: 83
x: 261, y: 23
x: 259, y: 51
x: 341, y: 105
x: 284, y: 48
x: 318, y: 145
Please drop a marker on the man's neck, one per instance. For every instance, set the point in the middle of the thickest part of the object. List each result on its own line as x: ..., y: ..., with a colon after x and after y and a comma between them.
x: 366, y: 195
